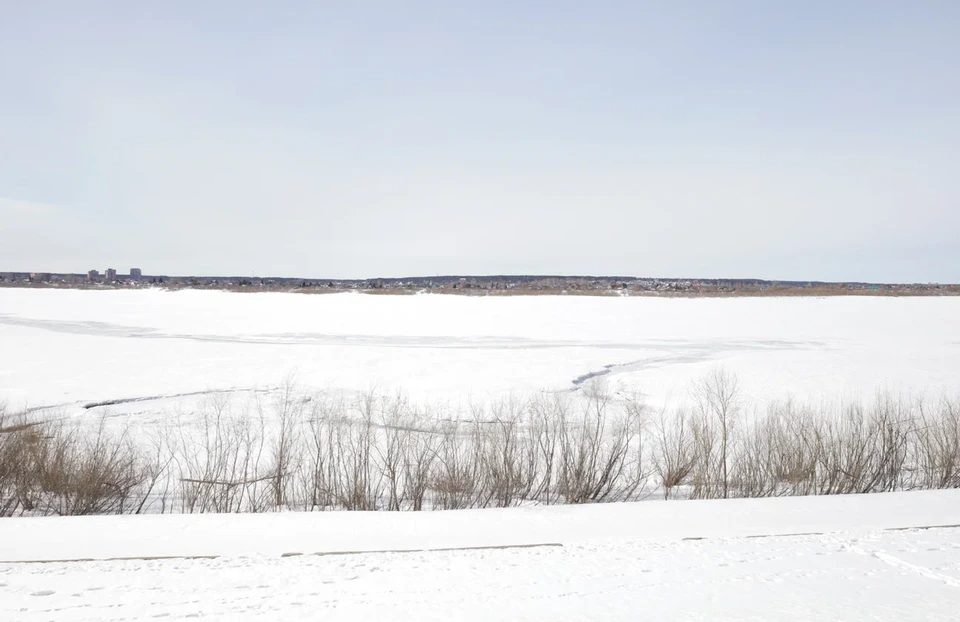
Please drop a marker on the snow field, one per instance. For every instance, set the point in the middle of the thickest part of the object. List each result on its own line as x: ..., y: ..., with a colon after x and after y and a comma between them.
x: 616, y: 562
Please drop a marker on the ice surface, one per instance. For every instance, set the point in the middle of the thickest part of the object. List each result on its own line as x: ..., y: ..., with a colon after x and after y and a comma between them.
x: 75, y: 346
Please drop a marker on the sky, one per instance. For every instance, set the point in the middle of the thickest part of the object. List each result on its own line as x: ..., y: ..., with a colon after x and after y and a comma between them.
x: 785, y: 140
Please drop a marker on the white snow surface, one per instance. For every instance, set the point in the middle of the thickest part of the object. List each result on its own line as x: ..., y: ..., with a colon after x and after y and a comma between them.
x: 192, y: 535
x: 889, y: 556
x: 892, y: 556
x: 75, y: 346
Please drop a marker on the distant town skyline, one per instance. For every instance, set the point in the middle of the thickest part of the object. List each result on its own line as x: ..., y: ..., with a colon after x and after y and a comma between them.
x: 557, y: 281
x: 783, y: 141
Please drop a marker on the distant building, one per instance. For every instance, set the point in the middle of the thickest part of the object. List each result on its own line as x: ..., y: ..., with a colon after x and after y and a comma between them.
x: 110, y: 275
x: 136, y: 274
x: 93, y: 275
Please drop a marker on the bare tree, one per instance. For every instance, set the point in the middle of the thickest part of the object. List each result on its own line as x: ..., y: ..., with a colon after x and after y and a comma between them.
x: 717, y: 398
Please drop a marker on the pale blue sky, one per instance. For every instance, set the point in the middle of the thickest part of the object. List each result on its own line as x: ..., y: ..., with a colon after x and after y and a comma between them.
x: 794, y: 140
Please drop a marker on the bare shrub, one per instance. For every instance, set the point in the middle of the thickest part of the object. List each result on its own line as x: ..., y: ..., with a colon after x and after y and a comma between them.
x: 217, y: 455
x: 778, y: 454
x: 793, y: 444
x: 419, y: 456
x: 397, y: 424
x: 595, y: 451
x: 674, y: 457
x: 285, y: 445
x: 457, y: 467
x: 378, y: 452
x: 317, y: 476
x: 864, y: 450
x: 706, y: 473
x: 17, y: 436
x: 73, y: 471
x: 938, y: 445
x: 637, y: 469
x: 360, y: 482
x: 509, y: 467
x: 547, y: 418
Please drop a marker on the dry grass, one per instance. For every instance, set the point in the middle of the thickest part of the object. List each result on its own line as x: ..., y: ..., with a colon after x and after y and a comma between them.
x: 50, y: 468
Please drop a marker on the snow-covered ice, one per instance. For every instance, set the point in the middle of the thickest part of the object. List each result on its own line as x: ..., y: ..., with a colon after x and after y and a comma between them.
x: 889, y: 556
x: 75, y: 346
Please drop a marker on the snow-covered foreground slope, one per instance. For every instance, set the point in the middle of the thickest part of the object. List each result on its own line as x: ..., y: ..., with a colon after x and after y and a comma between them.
x: 880, y: 557
x: 880, y: 576
x: 104, y: 537
x: 71, y: 346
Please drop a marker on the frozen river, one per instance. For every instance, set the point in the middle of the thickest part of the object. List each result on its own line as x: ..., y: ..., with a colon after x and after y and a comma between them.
x: 72, y: 346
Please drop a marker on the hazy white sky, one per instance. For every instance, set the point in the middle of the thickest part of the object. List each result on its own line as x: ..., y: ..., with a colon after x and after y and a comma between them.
x: 794, y: 140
